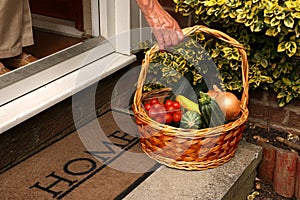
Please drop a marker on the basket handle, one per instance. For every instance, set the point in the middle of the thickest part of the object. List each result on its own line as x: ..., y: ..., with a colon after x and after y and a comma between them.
x: 188, y: 31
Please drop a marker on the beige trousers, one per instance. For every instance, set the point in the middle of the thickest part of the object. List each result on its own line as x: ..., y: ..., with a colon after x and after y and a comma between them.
x: 15, y: 27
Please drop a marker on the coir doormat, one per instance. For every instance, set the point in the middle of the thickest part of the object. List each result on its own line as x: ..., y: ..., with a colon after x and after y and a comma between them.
x: 101, y: 160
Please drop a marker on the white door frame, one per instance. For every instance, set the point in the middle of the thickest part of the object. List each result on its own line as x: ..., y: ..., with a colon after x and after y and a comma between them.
x: 45, y: 86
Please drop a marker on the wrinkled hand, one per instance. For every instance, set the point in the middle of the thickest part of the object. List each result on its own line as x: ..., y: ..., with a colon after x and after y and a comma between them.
x: 165, y: 28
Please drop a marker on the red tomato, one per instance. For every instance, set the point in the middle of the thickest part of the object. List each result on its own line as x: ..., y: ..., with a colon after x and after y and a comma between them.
x: 160, y: 109
x: 176, y: 104
x: 147, y: 106
x: 177, y: 117
x: 156, y: 106
x: 171, y: 109
x: 168, y: 118
x: 168, y: 102
x: 178, y: 112
x: 153, y: 101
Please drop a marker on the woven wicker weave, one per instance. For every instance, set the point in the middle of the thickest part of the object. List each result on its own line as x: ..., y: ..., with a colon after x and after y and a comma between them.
x: 190, y: 149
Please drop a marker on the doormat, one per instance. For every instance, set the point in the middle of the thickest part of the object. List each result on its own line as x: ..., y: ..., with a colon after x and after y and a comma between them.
x: 101, y: 160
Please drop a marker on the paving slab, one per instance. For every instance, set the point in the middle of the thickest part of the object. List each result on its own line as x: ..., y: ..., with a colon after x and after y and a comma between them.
x: 231, y: 181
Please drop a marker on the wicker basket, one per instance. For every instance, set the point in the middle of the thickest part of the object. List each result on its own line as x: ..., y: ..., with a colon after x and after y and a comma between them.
x: 190, y: 149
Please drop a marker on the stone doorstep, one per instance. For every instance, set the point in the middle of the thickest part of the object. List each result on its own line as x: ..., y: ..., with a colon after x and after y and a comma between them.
x: 231, y: 181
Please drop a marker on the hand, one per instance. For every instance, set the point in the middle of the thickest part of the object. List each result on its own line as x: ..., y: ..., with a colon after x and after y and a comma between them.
x: 165, y: 28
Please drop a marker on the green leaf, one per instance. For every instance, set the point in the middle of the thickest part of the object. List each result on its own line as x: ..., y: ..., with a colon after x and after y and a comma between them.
x: 280, y: 15
x: 278, y: 28
x: 290, y: 4
x: 281, y: 102
x: 188, y: 1
x: 274, y: 22
x: 286, y: 81
x: 291, y: 48
x: 276, y: 73
x: 296, y: 15
x: 296, y: 88
x: 289, y: 22
x: 266, y: 79
x: 249, y: 22
x: 220, y: 2
x: 277, y: 85
x: 211, y: 11
x: 297, y: 31
x: 258, y: 26
x: 264, y: 63
x: 271, y: 32
x: 288, y: 98
x: 267, y: 20
x: 281, y: 95
x: 282, y: 46
x: 209, y: 3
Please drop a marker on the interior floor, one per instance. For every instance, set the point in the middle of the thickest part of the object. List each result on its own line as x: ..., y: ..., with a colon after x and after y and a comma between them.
x: 47, y: 43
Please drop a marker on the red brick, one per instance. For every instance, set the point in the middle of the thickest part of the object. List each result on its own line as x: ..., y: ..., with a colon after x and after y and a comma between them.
x: 277, y: 116
x: 294, y: 119
x: 295, y: 102
x: 258, y: 111
x: 258, y: 94
x: 297, y: 188
x: 272, y: 97
x: 285, y: 172
x: 266, y: 168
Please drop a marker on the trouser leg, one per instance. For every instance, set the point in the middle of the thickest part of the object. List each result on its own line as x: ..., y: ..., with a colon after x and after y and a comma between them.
x: 15, y: 27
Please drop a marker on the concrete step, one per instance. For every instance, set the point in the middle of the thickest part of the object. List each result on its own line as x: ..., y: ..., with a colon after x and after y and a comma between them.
x: 231, y: 181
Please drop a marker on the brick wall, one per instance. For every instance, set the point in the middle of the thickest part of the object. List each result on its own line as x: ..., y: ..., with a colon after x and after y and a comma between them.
x: 264, y: 111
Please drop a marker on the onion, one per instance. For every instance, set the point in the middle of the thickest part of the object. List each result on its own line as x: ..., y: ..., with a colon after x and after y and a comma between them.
x: 229, y: 104
x: 227, y: 101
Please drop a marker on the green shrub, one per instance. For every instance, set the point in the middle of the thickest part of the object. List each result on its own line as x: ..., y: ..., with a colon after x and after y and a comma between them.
x: 269, y: 30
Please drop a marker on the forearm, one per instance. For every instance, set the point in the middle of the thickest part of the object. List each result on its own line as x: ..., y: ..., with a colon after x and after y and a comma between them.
x: 148, y: 6
x: 156, y: 16
x: 164, y: 26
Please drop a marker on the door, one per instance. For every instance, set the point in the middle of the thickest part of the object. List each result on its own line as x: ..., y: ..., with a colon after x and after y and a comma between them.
x: 71, y: 10
x: 32, y: 89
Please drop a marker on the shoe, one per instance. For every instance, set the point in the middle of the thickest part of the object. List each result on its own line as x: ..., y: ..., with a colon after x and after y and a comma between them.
x: 19, y: 61
x: 3, y: 69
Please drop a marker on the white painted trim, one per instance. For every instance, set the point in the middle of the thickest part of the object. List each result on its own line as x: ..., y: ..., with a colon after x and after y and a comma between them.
x: 123, y: 26
x: 48, y: 95
x: 104, y: 16
x: 56, y: 71
x: 95, y: 18
x: 115, y: 23
x: 55, y: 25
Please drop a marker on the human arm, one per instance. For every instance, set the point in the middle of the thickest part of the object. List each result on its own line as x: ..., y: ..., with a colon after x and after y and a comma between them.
x: 165, y: 28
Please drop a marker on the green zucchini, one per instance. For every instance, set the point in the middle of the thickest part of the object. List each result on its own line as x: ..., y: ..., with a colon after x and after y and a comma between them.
x: 211, y: 112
